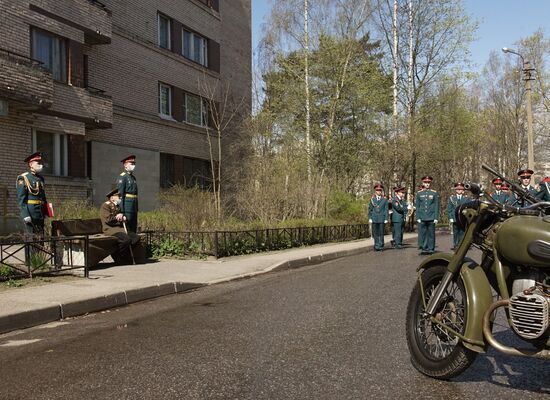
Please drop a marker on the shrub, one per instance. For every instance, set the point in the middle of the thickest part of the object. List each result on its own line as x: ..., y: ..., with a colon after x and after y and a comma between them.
x: 345, y: 207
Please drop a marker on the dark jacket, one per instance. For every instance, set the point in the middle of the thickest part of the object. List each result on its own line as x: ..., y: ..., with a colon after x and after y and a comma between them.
x: 107, y: 213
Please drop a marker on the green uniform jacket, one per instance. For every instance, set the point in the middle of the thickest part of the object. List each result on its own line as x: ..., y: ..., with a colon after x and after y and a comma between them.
x: 127, y: 187
x: 31, y: 196
x: 516, y: 201
x: 544, y: 192
x: 378, y: 210
x: 427, y: 205
x: 107, y: 213
x: 399, y: 208
x: 453, y: 204
x: 500, y: 196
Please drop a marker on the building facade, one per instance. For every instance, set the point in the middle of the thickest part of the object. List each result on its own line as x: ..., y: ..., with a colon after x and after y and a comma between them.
x: 89, y: 82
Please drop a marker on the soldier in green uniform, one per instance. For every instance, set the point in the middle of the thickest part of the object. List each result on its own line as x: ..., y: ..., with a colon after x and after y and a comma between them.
x: 398, y: 216
x: 544, y: 190
x: 427, y: 211
x: 378, y: 216
x: 31, y: 196
x: 112, y: 222
x: 525, y: 183
x: 454, y: 201
x: 499, y: 195
x: 128, y: 189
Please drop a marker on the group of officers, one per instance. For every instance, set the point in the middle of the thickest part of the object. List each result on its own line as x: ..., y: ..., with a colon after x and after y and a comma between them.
x: 427, y: 202
x: 119, y: 213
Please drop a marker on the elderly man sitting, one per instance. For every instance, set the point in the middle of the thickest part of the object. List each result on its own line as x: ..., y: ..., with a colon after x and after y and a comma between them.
x: 113, y: 223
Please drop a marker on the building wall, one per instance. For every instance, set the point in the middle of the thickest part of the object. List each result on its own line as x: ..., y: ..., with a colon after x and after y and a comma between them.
x: 106, y: 163
x: 128, y: 69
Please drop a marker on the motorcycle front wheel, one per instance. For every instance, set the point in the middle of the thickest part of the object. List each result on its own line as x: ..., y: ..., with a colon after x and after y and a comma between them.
x: 434, y: 351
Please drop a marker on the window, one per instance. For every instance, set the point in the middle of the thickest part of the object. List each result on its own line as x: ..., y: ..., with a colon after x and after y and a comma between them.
x: 167, y: 170
x: 196, y: 110
x: 164, y: 31
x: 54, y: 150
x: 51, y: 51
x: 165, y: 100
x: 195, y: 47
x: 197, y: 173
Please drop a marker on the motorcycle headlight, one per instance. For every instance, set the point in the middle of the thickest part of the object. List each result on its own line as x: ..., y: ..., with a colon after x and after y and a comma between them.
x: 460, y: 219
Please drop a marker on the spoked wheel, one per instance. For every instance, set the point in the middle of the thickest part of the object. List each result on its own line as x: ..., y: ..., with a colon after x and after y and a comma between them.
x: 434, y: 351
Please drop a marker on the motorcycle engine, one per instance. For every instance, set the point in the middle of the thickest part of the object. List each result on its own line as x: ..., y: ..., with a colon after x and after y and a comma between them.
x: 530, y: 306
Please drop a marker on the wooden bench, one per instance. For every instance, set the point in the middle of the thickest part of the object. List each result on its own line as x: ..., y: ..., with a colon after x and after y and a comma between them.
x: 100, y: 245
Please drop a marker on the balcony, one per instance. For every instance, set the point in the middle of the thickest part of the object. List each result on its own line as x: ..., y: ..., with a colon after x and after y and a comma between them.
x: 88, y: 16
x: 23, y: 80
x: 87, y: 105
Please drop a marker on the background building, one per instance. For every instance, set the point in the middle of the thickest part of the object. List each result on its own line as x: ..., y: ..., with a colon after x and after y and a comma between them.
x: 90, y: 82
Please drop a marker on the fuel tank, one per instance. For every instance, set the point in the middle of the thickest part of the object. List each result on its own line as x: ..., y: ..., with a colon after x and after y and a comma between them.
x: 525, y: 240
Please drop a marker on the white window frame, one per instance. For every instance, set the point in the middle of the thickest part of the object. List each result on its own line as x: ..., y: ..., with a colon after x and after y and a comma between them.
x: 58, y: 52
x: 169, y: 31
x: 161, y: 113
x: 203, y: 58
x: 61, y: 144
x: 203, y: 111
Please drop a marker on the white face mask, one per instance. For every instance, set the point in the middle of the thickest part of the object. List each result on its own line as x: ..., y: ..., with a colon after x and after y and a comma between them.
x: 117, y: 202
x: 130, y: 167
x: 38, y: 167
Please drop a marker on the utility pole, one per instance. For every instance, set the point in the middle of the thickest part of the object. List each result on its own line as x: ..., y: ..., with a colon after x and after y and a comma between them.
x: 528, y: 76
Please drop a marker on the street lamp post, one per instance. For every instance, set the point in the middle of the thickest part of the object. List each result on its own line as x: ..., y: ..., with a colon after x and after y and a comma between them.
x: 527, y: 77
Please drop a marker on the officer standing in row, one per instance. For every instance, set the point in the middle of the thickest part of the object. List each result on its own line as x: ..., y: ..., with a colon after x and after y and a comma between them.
x: 454, y: 202
x: 31, y: 196
x: 499, y: 194
x: 378, y: 216
x: 128, y: 190
x: 544, y: 190
x: 525, y: 183
x: 427, y: 210
x: 398, y: 216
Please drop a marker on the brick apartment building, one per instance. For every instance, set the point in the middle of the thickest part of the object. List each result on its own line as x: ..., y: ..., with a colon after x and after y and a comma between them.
x: 88, y: 82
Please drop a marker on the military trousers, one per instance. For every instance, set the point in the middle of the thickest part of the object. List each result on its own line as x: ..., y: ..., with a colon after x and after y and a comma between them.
x: 378, y: 235
x: 397, y: 233
x: 426, y: 236
x: 458, y: 235
x: 35, y: 227
x: 131, y: 221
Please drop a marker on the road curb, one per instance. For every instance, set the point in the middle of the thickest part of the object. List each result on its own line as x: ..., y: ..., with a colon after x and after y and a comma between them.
x: 45, y: 315
x: 28, y: 319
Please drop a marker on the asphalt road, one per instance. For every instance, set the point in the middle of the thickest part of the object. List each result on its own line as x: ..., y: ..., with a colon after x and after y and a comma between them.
x: 332, y: 331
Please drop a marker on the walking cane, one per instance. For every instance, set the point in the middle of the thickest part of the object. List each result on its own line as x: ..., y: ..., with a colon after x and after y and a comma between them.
x: 130, y: 247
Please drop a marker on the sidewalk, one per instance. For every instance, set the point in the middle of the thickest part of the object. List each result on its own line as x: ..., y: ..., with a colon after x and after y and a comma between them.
x: 118, y: 286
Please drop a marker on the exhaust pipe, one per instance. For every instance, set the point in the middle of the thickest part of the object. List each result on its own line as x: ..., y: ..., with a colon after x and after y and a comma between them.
x: 543, y: 354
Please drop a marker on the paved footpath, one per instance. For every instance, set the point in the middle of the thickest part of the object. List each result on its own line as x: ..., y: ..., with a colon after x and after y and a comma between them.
x: 117, y: 286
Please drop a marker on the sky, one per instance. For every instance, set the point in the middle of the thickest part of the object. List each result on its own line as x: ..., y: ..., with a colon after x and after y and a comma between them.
x: 501, y: 23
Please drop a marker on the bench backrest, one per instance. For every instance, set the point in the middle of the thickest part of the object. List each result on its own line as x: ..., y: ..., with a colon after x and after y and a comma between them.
x: 76, y: 227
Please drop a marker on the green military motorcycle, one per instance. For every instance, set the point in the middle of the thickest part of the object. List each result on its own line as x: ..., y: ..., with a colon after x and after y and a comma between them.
x: 453, y: 305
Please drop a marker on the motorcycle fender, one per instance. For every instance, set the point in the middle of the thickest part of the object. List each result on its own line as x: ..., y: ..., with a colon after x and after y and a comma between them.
x: 478, y: 293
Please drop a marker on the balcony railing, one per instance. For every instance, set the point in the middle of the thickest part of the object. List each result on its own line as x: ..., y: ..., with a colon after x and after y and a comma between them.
x: 23, y: 80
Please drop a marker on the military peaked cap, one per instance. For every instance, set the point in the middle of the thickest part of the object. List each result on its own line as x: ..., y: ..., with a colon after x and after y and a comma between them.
x: 129, y: 158
x: 525, y: 172
x: 427, y: 178
x: 112, y: 193
x: 34, y: 157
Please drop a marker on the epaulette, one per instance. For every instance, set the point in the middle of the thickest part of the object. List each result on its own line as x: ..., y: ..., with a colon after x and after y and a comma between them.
x: 24, y: 174
x: 107, y: 202
x: 123, y: 173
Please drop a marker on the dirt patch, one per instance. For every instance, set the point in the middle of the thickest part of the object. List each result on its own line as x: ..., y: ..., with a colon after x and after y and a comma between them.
x: 15, y: 284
